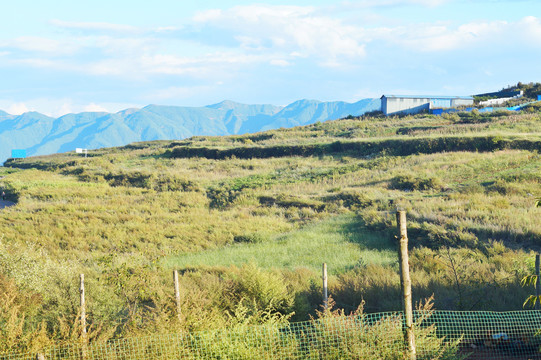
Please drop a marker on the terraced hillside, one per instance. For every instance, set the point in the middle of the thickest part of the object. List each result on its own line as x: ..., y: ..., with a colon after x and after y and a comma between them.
x: 248, y: 220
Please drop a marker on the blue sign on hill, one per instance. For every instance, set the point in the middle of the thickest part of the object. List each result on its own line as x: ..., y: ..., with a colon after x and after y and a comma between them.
x: 18, y: 153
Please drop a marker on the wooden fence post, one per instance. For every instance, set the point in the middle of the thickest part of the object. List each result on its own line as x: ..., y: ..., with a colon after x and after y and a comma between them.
x: 177, y: 294
x: 84, y: 339
x: 537, y: 282
x: 83, y: 307
x: 325, y: 289
x: 405, y: 283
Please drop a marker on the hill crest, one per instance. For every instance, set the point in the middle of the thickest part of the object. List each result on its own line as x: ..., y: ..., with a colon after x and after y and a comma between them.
x: 40, y: 134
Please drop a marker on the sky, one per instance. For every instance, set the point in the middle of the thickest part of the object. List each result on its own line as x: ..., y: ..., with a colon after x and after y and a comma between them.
x: 65, y: 56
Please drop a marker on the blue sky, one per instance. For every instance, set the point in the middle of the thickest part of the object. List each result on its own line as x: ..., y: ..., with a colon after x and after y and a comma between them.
x: 72, y: 56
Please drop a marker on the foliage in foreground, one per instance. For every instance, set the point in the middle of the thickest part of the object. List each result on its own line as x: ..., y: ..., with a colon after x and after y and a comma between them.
x: 333, y: 335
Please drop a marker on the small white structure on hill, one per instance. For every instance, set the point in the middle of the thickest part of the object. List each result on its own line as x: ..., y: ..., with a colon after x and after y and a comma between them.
x: 505, y: 96
x: 81, y: 151
x: 395, y: 104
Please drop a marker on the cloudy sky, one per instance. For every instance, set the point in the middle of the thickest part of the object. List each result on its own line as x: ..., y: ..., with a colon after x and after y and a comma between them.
x: 61, y: 56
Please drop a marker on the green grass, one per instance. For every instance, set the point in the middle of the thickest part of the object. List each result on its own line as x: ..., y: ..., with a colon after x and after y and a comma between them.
x: 341, y: 242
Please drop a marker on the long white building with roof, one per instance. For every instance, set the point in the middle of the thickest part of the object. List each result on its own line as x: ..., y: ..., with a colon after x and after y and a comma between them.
x: 396, y: 104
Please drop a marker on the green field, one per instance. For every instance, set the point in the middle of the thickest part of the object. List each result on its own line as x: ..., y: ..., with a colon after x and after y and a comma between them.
x: 248, y: 221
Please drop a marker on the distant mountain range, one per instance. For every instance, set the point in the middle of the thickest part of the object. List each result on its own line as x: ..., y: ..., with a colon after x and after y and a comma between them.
x: 39, y: 134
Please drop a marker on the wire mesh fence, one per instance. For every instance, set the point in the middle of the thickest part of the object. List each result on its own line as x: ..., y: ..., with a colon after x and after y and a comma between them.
x: 438, y: 335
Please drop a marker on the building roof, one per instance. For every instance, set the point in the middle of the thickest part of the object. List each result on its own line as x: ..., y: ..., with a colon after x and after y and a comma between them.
x: 427, y: 97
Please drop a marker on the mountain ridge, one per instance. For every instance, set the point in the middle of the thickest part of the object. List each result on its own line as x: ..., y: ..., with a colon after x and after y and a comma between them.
x: 40, y: 134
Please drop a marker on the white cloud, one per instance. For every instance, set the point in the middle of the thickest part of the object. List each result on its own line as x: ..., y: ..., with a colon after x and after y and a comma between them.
x: 124, y: 46
x: 94, y: 108
x: 388, y: 3
x: 65, y: 108
x: 43, y: 45
x: 280, y: 62
x: 207, y: 15
x: 17, y: 108
x: 113, y: 67
x: 56, y: 107
x: 46, y: 47
x: 531, y: 26
x: 167, y: 29
x: 180, y: 92
x: 254, y: 36
x: 287, y: 29
x: 36, y: 62
x: 209, y: 65
x: 446, y: 37
x: 94, y: 26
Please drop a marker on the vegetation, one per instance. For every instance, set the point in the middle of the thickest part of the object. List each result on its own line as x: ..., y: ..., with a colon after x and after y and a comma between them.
x: 248, y: 220
x: 530, y: 92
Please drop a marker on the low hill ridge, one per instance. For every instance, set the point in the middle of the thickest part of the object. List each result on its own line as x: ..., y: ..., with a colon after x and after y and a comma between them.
x: 40, y: 134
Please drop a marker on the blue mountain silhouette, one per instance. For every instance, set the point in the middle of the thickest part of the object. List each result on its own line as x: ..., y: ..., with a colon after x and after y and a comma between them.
x: 40, y: 134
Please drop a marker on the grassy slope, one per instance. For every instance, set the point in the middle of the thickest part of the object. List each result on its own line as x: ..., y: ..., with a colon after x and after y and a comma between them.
x: 339, y: 241
x: 126, y: 216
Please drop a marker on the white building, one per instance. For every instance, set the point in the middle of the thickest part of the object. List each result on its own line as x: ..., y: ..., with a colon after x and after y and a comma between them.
x: 502, y: 99
x: 394, y: 104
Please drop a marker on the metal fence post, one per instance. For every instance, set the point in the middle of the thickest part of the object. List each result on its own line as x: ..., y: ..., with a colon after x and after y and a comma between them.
x: 537, y: 282
x: 325, y: 289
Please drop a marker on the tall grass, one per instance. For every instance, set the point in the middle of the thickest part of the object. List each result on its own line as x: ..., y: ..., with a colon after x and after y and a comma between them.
x: 341, y: 242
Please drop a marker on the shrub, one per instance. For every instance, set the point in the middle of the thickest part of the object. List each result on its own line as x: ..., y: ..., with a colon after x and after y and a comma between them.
x: 221, y: 196
x: 16, y: 333
x: 168, y: 182
x: 471, y: 189
x: 288, y: 201
x: 130, y: 179
x: 259, y: 290
x: 352, y: 199
x: 253, y: 238
x: 411, y: 183
x: 361, y: 336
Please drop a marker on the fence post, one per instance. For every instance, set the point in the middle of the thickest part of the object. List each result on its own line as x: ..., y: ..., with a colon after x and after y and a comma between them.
x: 405, y: 283
x: 325, y: 289
x: 83, y: 307
x: 177, y: 294
x: 537, y: 282
x: 84, y: 339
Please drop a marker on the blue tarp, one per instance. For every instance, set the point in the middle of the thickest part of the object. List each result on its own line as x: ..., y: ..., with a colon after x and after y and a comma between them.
x: 18, y: 153
x: 483, y: 110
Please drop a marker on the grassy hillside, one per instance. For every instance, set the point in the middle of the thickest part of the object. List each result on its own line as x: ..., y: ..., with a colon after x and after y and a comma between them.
x: 248, y: 220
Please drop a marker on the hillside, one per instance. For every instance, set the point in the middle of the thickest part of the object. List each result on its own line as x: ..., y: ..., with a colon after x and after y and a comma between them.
x: 42, y: 135
x: 249, y: 219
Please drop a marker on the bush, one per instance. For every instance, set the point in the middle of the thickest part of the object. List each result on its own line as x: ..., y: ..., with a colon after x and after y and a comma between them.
x: 411, y: 183
x: 361, y: 336
x: 259, y: 290
x: 287, y: 201
x: 254, y: 238
x: 221, y: 197
x: 352, y: 199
